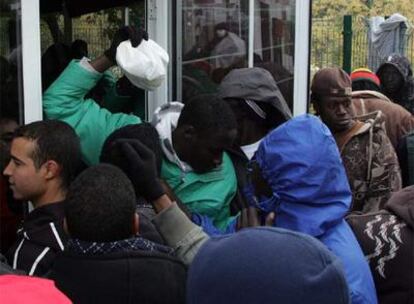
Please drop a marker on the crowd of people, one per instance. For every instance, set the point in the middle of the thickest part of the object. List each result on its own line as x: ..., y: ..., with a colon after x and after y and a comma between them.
x: 227, y: 198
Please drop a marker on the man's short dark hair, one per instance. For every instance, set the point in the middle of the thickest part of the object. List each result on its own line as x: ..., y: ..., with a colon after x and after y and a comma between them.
x: 55, y: 140
x: 100, y: 205
x: 208, y: 114
x: 144, y: 132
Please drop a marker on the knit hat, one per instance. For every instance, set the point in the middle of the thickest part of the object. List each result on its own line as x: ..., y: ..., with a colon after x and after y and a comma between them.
x: 265, y: 265
x: 364, y: 74
x: 332, y: 82
x: 254, y: 85
x: 24, y: 289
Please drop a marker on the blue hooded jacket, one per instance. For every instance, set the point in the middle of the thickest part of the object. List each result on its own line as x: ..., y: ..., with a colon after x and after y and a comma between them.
x: 301, y: 163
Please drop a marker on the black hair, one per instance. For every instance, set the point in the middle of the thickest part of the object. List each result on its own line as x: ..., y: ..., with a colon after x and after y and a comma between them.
x: 79, y: 49
x: 364, y: 84
x: 100, y: 205
x: 54, y: 61
x: 54, y: 140
x: 144, y: 132
x: 221, y: 26
x: 208, y: 114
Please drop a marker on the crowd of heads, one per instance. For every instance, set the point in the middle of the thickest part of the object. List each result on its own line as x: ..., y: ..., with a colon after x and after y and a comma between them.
x: 299, y: 175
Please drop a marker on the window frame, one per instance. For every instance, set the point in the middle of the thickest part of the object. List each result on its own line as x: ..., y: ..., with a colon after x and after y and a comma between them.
x: 159, y: 19
x: 31, y: 61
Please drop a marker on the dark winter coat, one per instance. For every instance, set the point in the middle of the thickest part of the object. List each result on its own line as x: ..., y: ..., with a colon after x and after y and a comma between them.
x: 387, y: 239
x: 127, y: 271
x: 39, y: 240
x: 398, y: 121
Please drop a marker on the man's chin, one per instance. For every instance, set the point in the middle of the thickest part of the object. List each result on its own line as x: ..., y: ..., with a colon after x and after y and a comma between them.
x: 343, y: 125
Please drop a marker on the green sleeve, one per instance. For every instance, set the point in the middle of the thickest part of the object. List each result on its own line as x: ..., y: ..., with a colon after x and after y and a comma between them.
x: 64, y: 100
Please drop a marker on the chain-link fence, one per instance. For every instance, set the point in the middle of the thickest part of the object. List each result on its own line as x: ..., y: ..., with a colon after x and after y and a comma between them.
x: 327, y: 44
x: 94, y: 35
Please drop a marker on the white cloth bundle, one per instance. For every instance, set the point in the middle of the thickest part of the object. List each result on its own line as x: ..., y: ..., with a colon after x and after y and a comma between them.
x: 145, y: 66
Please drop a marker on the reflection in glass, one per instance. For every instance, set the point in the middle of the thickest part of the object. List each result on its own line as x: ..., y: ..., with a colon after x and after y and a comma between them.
x: 11, y: 88
x: 11, y: 113
x: 215, y: 39
x: 274, y: 28
x: 64, y: 39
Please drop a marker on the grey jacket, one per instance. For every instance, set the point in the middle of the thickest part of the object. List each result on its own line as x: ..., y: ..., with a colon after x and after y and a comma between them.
x: 185, y: 237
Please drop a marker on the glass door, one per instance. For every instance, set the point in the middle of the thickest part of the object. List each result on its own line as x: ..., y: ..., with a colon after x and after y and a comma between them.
x: 11, y: 68
x: 215, y: 36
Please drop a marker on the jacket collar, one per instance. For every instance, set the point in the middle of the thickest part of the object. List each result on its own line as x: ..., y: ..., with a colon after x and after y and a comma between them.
x: 100, y: 248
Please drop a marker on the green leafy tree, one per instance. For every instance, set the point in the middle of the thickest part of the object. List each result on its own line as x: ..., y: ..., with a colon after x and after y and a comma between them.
x: 327, y: 27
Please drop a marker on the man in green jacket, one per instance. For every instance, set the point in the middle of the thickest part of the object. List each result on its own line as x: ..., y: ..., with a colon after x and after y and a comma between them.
x: 195, y: 166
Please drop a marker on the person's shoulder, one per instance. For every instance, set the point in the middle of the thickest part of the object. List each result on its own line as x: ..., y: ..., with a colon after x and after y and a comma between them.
x: 372, y: 122
x: 370, y: 95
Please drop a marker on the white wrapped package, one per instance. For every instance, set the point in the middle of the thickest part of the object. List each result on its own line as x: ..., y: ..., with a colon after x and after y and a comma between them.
x: 145, y: 66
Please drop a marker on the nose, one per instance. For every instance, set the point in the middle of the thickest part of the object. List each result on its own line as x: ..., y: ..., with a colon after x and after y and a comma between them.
x: 341, y: 110
x: 8, y: 169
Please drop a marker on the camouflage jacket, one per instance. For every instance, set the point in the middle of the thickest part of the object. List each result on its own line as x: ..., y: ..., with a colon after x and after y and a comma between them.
x: 371, y: 165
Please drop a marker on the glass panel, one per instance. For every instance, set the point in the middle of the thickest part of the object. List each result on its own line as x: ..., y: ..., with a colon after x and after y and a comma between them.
x: 64, y: 38
x: 213, y: 38
x: 214, y: 41
x: 274, y: 42
x: 11, y: 113
x: 11, y: 83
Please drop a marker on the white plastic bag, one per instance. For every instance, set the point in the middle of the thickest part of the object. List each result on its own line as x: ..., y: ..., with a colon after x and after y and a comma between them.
x: 145, y: 66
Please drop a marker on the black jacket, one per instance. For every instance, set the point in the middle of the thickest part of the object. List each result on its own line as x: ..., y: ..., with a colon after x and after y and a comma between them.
x: 132, y: 276
x: 39, y: 240
x: 387, y: 240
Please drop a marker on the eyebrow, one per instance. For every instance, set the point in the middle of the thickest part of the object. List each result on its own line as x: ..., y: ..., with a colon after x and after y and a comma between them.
x: 17, y: 159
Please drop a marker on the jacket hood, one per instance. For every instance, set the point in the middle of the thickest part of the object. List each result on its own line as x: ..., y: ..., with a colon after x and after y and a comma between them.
x: 245, y: 267
x: 372, y: 121
x: 405, y: 96
x: 301, y: 163
x: 165, y: 120
x: 402, y: 204
x: 401, y: 63
x: 256, y: 84
x: 370, y: 94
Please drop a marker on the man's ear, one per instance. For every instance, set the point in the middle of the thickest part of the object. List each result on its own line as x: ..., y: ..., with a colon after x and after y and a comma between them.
x: 135, y: 224
x: 53, y: 169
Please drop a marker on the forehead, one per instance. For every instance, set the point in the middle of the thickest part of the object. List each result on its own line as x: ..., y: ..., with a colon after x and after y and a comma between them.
x: 336, y: 99
x: 22, y: 147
